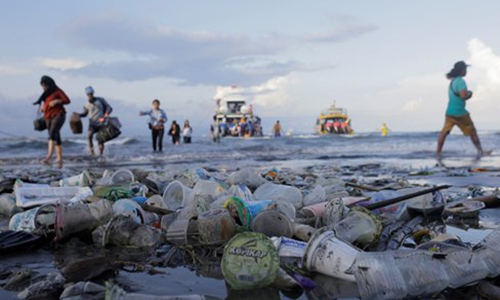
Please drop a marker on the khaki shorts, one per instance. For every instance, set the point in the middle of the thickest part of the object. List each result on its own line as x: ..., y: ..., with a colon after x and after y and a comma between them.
x: 463, y: 122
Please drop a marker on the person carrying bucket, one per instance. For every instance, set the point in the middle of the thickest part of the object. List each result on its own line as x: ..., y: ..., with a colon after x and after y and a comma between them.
x: 157, y: 120
x: 53, y: 99
x: 97, y: 109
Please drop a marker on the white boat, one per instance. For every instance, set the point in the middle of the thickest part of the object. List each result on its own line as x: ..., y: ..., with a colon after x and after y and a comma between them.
x: 236, y: 118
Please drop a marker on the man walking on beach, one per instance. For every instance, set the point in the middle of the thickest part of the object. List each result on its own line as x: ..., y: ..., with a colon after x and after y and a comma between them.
x: 456, y: 114
x: 97, y: 110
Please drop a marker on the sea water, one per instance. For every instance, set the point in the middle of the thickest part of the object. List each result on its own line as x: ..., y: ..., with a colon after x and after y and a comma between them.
x: 415, y: 150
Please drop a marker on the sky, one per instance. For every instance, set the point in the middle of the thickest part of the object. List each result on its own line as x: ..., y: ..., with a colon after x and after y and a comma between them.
x: 384, y: 61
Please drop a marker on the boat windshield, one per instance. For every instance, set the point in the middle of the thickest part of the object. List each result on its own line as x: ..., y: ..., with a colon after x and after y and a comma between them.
x: 235, y: 107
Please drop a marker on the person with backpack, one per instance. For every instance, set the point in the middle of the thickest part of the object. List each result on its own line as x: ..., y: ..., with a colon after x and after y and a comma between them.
x: 97, y: 109
x: 456, y: 114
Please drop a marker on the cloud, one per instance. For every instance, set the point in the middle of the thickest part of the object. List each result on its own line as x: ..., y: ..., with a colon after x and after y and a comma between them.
x: 346, y: 27
x: 190, y: 57
x: 484, y: 75
x: 62, y: 64
x: 11, y: 70
x: 413, y: 105
x: 270, y: 94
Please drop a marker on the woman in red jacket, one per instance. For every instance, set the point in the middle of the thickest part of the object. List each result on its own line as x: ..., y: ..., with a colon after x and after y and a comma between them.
x: 54, y: 114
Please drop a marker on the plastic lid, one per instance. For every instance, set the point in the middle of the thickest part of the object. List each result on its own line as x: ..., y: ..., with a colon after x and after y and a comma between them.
x: 250, y: 261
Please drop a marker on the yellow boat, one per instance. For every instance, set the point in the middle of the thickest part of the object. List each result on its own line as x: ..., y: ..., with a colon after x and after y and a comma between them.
x: 333, y: 120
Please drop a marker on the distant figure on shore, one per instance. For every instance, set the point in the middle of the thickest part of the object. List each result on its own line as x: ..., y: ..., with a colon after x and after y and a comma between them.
x: 215, y: 131
x: 175, y: 132
x: 97, y: 109
x: 456, y: 114
x: 384, y: 130
x: 53, y: 99
x: 187, y: 131
x: 157, y: 120
x: 277, y: 129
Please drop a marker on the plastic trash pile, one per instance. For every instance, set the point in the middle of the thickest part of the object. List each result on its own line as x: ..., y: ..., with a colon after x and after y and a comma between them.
x: 381, y: 238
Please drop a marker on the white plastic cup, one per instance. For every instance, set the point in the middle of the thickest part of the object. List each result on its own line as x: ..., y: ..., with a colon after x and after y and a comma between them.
x: 328, y: 255
x: 177, y: 195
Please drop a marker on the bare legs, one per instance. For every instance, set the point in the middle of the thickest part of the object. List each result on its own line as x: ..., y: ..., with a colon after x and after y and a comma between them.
x: 477, y: 143
x: 50, y: 151
x: 441, y: 139
x: 59, y: 159
x: 474, y: 138
x: 91, y: 144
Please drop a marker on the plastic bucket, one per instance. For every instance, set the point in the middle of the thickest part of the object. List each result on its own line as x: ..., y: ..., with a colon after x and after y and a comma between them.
x: 122, y: 176
x: 328, y: 255
x: 79, y: 217
x: 215, y: 227
x: 177, y: 195
x: 273, y: 223
x: 129, y: 208
x: 250, y: 261
x: 36, y: 218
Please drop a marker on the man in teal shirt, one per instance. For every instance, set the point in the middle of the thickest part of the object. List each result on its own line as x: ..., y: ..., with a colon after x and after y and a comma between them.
x: 456, y: 114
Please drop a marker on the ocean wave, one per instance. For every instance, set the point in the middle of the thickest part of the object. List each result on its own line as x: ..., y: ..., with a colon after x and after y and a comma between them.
x: 124, y: 141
